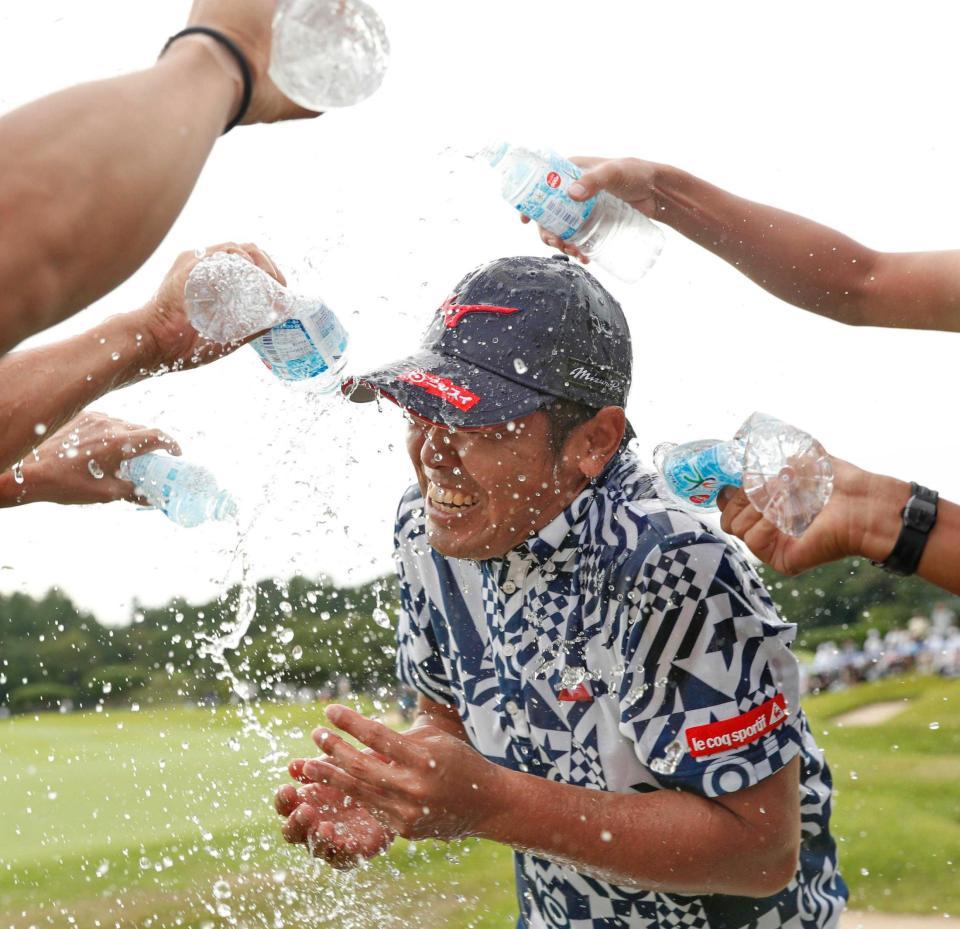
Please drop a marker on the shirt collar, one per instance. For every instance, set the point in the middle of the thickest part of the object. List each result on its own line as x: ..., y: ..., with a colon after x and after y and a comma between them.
x: 557, y: 540
x: 557, y: 543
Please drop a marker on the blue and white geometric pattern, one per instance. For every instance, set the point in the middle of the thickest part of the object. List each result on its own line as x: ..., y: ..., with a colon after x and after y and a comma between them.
x: 661, y: 626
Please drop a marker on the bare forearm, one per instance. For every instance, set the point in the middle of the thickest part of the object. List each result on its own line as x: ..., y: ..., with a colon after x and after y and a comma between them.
x: 666, y: 840
x: 91, y: 179
x: 46, y: 387
x: 800, y: 261
x: 940, y: 563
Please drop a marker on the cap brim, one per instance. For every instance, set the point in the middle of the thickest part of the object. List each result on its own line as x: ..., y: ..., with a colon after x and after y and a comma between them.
x: 447, y: 390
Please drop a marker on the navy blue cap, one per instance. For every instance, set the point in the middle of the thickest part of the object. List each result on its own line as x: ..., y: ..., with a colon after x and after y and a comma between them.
x: 516, y: 334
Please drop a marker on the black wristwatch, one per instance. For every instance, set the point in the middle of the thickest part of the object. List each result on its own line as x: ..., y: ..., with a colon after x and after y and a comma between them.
x: 919, y: 518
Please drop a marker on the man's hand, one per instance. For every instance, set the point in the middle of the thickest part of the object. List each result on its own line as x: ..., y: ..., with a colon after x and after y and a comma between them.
x: 249, y: 24
x: 331, y: 825
x: 80, y: 463
x: 630, y: 179
x: 424, y: 783
x: 848, y: 525
x: 174, y: 343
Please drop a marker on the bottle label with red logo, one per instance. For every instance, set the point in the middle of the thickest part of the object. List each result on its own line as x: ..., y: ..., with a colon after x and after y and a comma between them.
x: 697, y: 471
x: 546, y: 201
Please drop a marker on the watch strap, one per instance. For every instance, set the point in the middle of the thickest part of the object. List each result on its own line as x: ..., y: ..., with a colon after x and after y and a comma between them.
x: 919, y: 517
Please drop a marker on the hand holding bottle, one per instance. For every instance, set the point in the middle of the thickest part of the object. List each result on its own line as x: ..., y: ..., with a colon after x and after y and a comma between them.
x: 785, y: 473
x: 628, y: 179
x: 80, y: 463
x: 173, y: 342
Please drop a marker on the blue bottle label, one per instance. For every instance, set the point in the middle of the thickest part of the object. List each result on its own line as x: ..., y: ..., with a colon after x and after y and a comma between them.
x: 548, y: 204
x: 309, y: 346
x: 697, y: 475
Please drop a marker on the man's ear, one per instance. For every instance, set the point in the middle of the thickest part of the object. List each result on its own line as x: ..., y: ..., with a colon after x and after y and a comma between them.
x: 593, y: 443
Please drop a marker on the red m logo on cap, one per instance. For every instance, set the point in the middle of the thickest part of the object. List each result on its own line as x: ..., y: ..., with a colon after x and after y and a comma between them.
x: 453, y: 313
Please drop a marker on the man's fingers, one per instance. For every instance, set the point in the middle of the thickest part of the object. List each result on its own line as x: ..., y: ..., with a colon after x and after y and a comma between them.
x: 606, y: 175
x: 150, y: 440
x: 374, y: 735
x: 263, y: 261
x: 300, y: 824
x: 357, y: 790
x: 732, y: 503
x: 362, y: 765
x: 295, y: 769
x: 286, y: 800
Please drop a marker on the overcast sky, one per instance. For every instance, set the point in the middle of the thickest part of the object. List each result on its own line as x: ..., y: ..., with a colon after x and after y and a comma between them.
x: 843, y: 112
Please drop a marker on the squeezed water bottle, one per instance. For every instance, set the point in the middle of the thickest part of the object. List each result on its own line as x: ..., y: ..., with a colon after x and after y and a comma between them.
x: 184, y: 492
x: 328, y: 53
x: 785, y: 472
x: 606, y: 229
x: 228, y: 298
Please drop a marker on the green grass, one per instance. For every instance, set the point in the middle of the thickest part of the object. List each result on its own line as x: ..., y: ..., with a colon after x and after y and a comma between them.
x: 897, y: 799
x: 131, y: 819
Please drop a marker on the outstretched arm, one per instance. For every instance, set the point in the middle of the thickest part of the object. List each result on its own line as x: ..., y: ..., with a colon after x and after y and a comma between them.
x: 798, y: 260
x: 46, y: 387
x: 91, y: 178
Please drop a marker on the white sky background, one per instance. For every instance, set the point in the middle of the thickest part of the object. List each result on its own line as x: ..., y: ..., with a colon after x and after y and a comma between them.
x: 842, y: 112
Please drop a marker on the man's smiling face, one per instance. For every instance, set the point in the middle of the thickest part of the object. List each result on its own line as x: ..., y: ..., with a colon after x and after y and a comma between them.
x: 488, y: 489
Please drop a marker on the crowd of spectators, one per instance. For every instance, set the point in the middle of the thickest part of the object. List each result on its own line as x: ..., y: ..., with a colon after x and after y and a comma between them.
x: 927, y: 645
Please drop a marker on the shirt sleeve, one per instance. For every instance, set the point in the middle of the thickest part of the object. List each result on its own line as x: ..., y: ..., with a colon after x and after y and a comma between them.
x: 419, y: 659
x: 710, y: 690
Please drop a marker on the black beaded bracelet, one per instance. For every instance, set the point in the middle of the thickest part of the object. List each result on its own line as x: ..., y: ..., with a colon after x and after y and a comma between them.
x: 234, y: 50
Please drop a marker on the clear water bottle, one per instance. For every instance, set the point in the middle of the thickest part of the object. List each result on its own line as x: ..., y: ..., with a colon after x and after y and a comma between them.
x: 606, y: 229
x: 228, y: 298
x: 186, y: 493
x: 785, y: 472
x: 328, y: 53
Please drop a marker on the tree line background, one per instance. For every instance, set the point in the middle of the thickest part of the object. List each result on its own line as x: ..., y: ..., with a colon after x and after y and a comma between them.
x: 311, y: 633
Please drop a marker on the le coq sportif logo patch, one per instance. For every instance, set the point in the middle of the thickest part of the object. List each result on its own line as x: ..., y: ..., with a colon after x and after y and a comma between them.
x: 728, y: 734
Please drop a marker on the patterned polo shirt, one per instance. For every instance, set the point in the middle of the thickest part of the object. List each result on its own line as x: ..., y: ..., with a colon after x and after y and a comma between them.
x: 624, y: 648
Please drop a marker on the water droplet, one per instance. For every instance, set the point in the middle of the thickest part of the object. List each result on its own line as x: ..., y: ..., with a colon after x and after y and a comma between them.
x: 95, y: 469
x: 934, y: 725
x: 606, y: 836
x: 296, y: 652
x: 221, y: 890
x: 381, y: 618
x: 234, y: 744
x: 18, y: 472
x: 40, y: 429
x: 115, y: 356
x: 520, y: 366
x: 285, y: 636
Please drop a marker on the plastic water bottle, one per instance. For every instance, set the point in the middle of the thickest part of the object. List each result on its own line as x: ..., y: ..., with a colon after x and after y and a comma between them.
x: 606, y: 229
x: 186, y: 493
x: 328, y: 53
x: 785, y: 472
x: 228, y: 298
